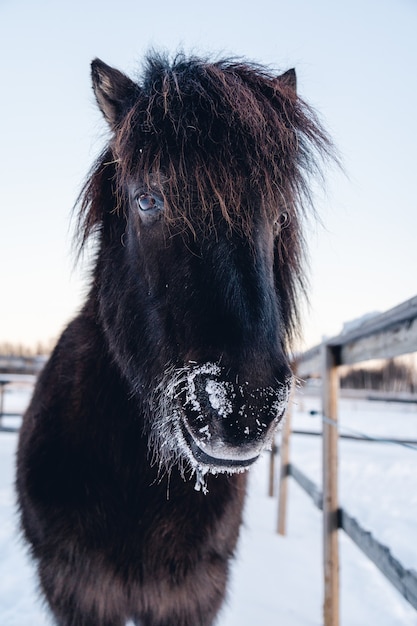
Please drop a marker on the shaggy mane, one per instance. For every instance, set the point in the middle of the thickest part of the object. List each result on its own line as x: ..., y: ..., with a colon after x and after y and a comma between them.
x: 223, y: 138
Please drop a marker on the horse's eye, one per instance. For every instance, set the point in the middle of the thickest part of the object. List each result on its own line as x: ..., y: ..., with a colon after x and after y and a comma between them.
x: 146, y: 202
x: 281, y: 222
x: 149, y: 205
x: 284, y: 220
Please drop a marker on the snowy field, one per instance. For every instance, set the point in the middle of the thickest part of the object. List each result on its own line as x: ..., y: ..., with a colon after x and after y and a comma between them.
x: 277, y: 581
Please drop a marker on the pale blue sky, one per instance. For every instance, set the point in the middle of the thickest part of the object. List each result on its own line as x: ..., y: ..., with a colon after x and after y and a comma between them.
x: 356, y: 63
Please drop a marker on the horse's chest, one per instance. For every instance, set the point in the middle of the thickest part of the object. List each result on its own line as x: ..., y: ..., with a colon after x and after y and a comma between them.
x: 171, y: 536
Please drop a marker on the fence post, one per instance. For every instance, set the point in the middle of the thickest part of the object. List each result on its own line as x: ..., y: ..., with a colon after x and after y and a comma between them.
x: 330, y: 486
x: 284, y: 470
x: 271, y: 489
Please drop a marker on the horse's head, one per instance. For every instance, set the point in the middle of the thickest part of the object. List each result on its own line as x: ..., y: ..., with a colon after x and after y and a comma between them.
x: 197, y: 199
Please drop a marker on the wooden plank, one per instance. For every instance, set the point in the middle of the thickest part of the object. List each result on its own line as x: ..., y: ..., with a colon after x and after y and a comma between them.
x: 402, y: 314
x: 404, y: 580
x: 330, y: 488
x: 308, y: 485
x: 383, y: 344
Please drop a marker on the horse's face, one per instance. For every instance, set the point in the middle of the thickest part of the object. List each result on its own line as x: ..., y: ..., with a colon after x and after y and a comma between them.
x: 211, y: 311
x: 210, y: 299
x: 193, y: 315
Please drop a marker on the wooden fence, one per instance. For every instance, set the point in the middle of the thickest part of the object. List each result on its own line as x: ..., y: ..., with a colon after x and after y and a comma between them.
x: 7, y: 381
x: 384, y: 336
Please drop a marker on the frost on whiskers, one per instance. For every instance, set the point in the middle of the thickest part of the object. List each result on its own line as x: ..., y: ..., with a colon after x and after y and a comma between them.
x: 178, y: 388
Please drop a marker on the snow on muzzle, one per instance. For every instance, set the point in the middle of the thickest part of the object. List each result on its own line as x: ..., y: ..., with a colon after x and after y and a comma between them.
x: 224, y: 425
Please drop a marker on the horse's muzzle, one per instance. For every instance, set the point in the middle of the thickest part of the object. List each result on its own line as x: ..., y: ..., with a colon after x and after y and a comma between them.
x: 224, y: 424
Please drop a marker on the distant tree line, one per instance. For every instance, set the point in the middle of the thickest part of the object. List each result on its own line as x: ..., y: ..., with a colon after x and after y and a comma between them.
x: 393, y: 375
x: 10, y: 349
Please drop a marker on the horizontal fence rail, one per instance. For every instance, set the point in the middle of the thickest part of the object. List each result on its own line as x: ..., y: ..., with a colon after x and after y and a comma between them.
x: 383, y: 336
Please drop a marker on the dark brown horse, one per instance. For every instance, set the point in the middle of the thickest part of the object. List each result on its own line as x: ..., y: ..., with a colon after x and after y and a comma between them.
x: 174, y: 376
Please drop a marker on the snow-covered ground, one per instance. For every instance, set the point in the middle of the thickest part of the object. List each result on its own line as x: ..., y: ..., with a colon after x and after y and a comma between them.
x: 278, y: 580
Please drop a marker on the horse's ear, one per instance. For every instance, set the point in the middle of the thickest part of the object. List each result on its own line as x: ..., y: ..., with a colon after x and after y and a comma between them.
x: 114, y: 91
x: 289, y: 79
